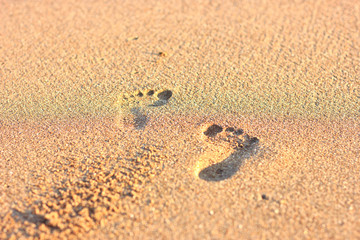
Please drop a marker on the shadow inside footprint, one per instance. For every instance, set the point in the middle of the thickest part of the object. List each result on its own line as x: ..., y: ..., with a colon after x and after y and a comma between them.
x: 163, y: 98
x: 133, y: 106
x: 158, y: 103
x: 140, y: 119
x: 213, y: 130
x: 227, y: 168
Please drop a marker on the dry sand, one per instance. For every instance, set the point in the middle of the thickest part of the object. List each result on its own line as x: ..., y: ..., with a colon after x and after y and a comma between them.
x: 180, y: 120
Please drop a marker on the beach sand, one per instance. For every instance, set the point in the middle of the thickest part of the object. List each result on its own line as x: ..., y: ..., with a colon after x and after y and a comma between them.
x: 180, y: 120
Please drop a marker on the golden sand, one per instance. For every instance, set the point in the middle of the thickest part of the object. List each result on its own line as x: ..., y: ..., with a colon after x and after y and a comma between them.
x: 179, y: 120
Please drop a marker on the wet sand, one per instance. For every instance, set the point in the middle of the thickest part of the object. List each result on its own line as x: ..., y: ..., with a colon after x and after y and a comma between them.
x: 215, y: 120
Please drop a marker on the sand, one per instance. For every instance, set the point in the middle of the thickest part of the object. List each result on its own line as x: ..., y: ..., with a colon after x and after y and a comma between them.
x: 179, y: 120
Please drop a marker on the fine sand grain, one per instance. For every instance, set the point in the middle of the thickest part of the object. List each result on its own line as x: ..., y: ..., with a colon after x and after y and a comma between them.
x: 180, y: 120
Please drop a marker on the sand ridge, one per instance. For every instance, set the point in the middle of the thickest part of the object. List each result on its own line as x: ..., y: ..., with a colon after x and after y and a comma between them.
x: 88, y: 186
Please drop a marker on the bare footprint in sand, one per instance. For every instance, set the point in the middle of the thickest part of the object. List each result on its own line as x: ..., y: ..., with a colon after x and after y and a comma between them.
x: 227, y: 148
x: 133, y: 106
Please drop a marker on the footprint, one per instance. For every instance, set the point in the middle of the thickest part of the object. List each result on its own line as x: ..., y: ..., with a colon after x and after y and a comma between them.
x: 133, y: 106
x: 229, y: 145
